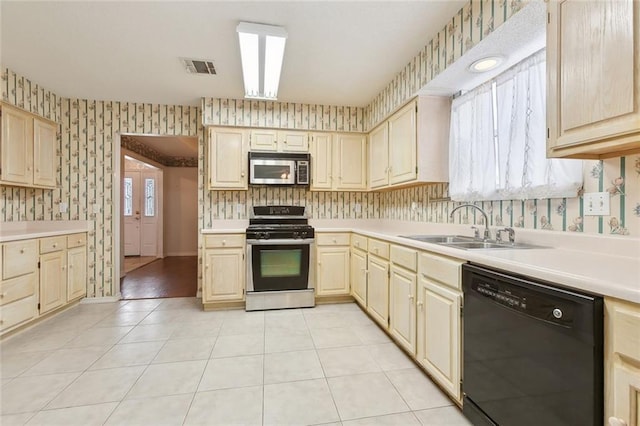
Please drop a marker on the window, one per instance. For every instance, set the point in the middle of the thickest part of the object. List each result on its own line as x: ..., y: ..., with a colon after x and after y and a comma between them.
x: 149, y: 197
x: 497, y: 148
x: 128, y: 196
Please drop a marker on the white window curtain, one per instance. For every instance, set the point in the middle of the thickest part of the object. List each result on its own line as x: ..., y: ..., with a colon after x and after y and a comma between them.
x: 521, y: 168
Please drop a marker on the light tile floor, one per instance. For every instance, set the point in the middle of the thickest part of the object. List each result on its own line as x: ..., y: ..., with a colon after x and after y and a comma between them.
x: 166, y: 362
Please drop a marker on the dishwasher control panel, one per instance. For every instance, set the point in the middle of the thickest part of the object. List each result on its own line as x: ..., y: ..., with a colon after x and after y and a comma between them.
x: 545, y: 307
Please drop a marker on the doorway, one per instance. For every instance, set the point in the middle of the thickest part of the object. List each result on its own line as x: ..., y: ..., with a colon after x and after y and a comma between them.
x: 158, y: 228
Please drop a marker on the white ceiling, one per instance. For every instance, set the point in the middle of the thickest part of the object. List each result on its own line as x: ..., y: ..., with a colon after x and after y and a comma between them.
x: 338, y: 52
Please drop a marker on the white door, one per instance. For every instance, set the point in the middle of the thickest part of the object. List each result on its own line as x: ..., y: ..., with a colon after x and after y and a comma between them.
x: 149, y: 213
x: 131, y: 208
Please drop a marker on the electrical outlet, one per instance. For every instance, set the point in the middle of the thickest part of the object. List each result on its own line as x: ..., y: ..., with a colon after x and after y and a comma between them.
x: 62, y: 207
x: 596, y: 204
x: 358, y: 208
x: 96, y: 208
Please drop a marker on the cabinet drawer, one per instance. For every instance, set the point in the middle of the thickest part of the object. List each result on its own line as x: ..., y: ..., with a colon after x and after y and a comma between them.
x: 359, y: 242
x: 443, y: 269
x: 19, y: 258
x: 76, y: 240
x: 48, y: 245
x: 405, y: 257
x: 17, y: 312
x: 224, y: 240
x: 17, y: 288
x: 332, y: 239
x: 379, y: 248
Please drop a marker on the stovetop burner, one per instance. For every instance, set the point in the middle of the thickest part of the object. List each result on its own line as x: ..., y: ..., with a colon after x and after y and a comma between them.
x: 279, y: 222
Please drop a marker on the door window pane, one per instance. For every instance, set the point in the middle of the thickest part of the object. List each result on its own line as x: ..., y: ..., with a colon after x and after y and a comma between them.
x: 149, y: 197
x: 128, y: 196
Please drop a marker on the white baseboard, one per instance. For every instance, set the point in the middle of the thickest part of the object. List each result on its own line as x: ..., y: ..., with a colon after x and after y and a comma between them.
x: 105, y: 299
x: 182, y: 253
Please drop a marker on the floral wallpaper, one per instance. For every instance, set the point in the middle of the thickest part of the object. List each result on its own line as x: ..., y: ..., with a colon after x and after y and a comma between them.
x: 170, y: 161
x: 620, y: 177
x: 476, y: 20
x: 282, y: 115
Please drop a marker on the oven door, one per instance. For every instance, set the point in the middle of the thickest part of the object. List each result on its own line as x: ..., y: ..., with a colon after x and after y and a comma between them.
x: 264, y: 171
x: 276, y: 265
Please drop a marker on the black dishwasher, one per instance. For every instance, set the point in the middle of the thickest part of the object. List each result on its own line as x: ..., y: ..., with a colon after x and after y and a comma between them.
x: 533, y: 352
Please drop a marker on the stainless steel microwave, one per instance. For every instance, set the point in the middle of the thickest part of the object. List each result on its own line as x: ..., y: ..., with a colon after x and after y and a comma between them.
x: 275, y: 168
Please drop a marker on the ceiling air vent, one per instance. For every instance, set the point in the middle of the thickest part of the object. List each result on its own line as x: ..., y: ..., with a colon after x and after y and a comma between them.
x: 197, y: 66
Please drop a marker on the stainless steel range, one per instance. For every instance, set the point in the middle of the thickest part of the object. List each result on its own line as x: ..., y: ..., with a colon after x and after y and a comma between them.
x: 280, y: 256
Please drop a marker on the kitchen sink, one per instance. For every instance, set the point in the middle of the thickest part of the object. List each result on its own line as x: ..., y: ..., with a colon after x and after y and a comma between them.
x: 468, y: 243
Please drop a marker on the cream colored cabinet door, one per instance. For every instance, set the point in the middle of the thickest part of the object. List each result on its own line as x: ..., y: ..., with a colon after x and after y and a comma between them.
x: 402, y: 307
x: 439, y: 334
x: 379, y: 156
x: 76, y: 272
x: 403, y: 166
x: 53, y: 280
x: 378, y: 290
x: 224, y: 275
x: 350, y: 162
x: 263, y: 140
x: 292, y: 141
x: 45, y: 154
x: 321, y: 161
x: 16, y: 146
x: 228, y: 158
x: 332, y: 276
x: 359, y: 276
x: 593, y: 82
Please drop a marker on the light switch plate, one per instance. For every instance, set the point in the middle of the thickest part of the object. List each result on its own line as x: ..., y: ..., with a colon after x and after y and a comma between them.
x: 96, y: 208
x: 62, y: 207
x: 596, y: 204
x: 358, y: 208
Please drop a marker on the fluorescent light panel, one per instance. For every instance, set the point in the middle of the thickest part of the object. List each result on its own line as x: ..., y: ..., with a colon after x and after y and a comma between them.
x: 262, y: 53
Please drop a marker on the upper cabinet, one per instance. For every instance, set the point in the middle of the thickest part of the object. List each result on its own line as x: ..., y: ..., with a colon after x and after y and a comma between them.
x: 412, y: 145
x: 28, y: 154
x: 228, y: 159
x: 593, y: 78
x: 339, y: 162
x: 278, y: 140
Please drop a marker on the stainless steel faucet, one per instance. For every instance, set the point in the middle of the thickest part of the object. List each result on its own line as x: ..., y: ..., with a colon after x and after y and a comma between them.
x: 487, y: 233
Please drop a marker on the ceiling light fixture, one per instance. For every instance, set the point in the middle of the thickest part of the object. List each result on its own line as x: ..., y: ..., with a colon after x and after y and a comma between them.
x: 485, y: 64
x: 262, y: 52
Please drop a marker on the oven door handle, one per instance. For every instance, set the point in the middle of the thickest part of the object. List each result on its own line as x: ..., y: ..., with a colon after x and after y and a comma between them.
x: 281, y: 242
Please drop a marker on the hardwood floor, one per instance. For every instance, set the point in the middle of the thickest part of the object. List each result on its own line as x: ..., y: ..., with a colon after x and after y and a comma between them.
x: 168, y: 277
x: 132, y: 263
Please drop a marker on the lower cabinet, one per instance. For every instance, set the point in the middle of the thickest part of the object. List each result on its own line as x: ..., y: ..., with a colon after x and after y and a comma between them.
x: 402, y: 322
x: 332, y: 264
x: 378, y: 289
x: 622, y: 362
x: 53, y: 280
x: 438, y: 320
x: 76, y: 272
x: 358, y: 276
x: 18, y: 284
x: 224, y: 268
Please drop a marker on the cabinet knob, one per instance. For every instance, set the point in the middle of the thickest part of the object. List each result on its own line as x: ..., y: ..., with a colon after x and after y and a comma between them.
x: 285, y: 141
x: 2, y: 296
x: 1, y: 321
x: 63, y: 268
x: 79, y: 241
x: 419, y: 305
x: 411, y: 297
x: 334, y: 241
x: 55, y: 245
x: 37, y: 170
x: 70, y: 266
x: 242, y: 174
x: 21, y: 250
x: 224, y: 242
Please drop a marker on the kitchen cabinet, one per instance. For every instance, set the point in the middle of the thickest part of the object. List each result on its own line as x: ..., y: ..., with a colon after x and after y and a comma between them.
x: 332, y: 266
x: 18, y: 285
x: 76, y: 266
x: 378, y: 281
x: 278, y: 140
x: 228, y: 153
x: 350, y: 162
x: 411, y: 146
x: 438, y: 320
x: 379, y: 156
x: 321, y: 161
x: 338, y: 162
x: 622, y: 362
x: 224, y: 268
x: 359, y: 272
x: 593, y: 88
x: 53, y: 273
x: 402, y: 297
x: 28, y: 154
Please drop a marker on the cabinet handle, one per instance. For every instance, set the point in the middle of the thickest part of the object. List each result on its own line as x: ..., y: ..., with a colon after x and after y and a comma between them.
x: 334, y: 241
x: 21, y: 251
x: 224, y: 242
x: 285, y: 141
x: 37, y: 170
x: 63, y: 268
x: 411, y: 297
x: 1, y: 321
x: 79, y: 241
x: 2, y: 296
x: 420, y: 305
x: 55, y: 245
x: 70, y: 266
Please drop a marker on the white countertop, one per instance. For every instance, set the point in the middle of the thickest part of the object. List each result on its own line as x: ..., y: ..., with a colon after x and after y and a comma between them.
x: 600, y: 264
x: 14, y: 231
